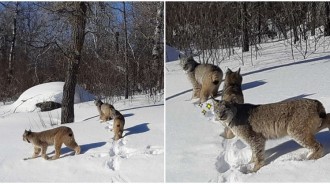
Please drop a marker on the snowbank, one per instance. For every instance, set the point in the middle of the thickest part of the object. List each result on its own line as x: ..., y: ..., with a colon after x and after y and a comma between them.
x: 52, y: 91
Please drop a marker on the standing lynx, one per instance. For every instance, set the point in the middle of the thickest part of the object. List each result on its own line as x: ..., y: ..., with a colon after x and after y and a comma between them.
x: 56, y: 137
x: 205, y: 78
x: 104, y: 110
x: 300, y: 119
x: 118, y: 124
x: 232, y: 92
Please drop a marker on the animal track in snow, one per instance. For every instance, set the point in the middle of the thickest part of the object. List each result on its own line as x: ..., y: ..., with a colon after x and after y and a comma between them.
x: 109, y: 126
x: 154, y: 150
x: 119, y: 151
x: 113, y: 163
x: 118, y: 179
x: 234, y: 158
x: 221, y: 164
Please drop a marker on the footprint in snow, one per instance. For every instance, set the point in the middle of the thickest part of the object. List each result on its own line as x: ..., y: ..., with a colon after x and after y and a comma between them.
x: 221, y: 164
x: 154, y: 150
x: 113, y: 163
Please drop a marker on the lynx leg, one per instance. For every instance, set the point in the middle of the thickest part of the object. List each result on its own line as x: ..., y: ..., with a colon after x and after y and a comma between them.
x: 215, y: 91
x: 253, y: 158
x: 73, y: 145
x: 228, y: 133
x: 37, y: 151
x: 117, y: 130
x: 117, y: 136
x: 43, y: 152
x: 196, y: 93
x: 309, y: 142
x: 58, y: 146
x: 103, y: 118
x: 258, y: 149
x: 204, y: 94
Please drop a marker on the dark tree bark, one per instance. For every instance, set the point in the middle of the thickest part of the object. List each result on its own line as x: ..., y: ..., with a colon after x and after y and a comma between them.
x: 314, y: 18
x: 259, y: 21
x: 10, y: 75
x: 157, y: 48
x: 78, y: 35
x: 245, y: 33
x: 126, y: 52
x: 327, y: 19
x: 294, y: 23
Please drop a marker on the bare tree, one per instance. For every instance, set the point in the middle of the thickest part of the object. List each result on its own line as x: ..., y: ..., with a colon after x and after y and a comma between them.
x: 12, y: 45
x: 327, y: 19
x: 157, y: 48
x: 126, y: 52
x: 245, y: 33
x: 78, y: 36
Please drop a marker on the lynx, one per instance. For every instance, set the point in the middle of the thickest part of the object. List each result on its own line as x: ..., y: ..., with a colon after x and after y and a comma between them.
x: 56, y: 137
x: 104, y: 110
x: 232, y: 92
x: 118, y: 124
x: 205, y: 78
x: 300, y: 119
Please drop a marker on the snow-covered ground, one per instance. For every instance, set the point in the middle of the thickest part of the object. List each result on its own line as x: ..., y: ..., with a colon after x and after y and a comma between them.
x: 196, y: 153
x: 138, y: 157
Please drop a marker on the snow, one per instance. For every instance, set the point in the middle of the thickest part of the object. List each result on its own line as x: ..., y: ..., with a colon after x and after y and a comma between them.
x: 137, y: 157
x: 52, y: 91
x: 196, y: 153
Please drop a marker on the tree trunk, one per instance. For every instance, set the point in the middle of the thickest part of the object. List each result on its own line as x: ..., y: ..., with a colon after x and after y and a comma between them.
x: 10, y: 75
x: 294, y: 26
x: 314, y: 18
x: 245, y: 33
x: 126, y: 52
x: 157, y: 48
x: 72, y: 72
x: 327, y: 18
x: 259, y: 22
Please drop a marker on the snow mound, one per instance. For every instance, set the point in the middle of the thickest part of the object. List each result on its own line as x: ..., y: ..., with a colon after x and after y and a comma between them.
x: 52, y: 91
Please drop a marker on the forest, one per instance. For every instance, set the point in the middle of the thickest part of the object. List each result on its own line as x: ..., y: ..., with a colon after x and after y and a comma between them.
x: 111, y: 49
x: 204, y: 28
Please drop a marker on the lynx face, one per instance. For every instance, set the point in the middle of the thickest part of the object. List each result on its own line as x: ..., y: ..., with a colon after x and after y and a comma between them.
x: 188, y: 64
x: 98, y: 103
x: 224, y: 111
x: 233, y: 77
x: 26, y: 133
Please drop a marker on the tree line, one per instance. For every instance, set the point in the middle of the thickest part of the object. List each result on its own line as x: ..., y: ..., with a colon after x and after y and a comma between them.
x: 201, y: 26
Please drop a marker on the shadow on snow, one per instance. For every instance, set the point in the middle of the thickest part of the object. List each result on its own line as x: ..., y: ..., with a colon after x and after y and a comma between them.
x: 137, y: 129
x: 290, y: 146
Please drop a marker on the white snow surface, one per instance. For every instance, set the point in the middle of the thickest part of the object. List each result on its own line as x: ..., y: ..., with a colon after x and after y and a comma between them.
x: 196, y: 153
x: 137, y: 157
x: 52, y: 91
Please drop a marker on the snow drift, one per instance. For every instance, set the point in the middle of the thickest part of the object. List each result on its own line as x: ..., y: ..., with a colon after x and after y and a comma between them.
x: 52, y: 91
